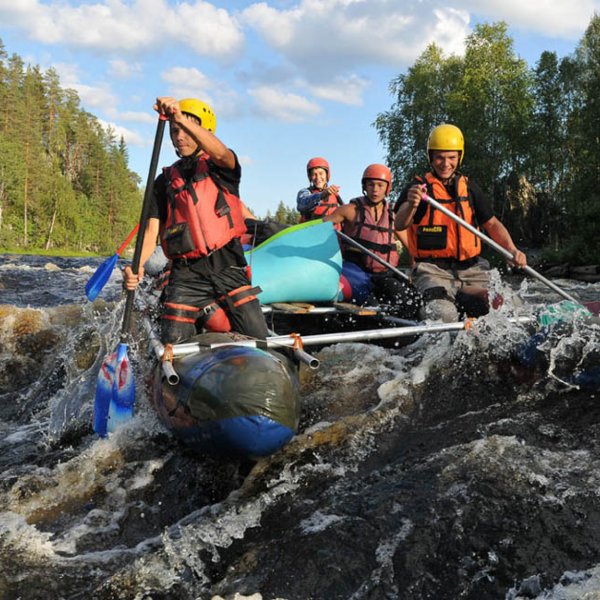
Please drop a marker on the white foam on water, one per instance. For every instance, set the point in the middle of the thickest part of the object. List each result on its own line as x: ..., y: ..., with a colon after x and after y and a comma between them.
x: 24, y: 538
x: 573, y: 585
x: 319, y: 521
x: 384, y: 556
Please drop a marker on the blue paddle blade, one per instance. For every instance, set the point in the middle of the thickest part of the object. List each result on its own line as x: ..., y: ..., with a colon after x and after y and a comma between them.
x: 115, y: 392
x: 98, y: 280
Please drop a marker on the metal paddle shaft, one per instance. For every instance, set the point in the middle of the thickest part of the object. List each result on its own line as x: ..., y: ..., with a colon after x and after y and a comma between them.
x: 322, y: 339
x: 500, y: 249
x: 374, y: 256
x: 139, y: 242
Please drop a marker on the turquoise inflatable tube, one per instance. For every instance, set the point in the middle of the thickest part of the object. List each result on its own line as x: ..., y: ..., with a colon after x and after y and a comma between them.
x: 302, y: 263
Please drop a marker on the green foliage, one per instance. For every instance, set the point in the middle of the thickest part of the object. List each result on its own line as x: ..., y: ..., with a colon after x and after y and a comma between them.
x: 65, y: 184
x: 532, y: 136
x: 285, y: 214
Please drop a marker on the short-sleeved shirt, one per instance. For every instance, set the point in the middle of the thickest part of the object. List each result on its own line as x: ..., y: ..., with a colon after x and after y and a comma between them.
x: 481, y: 204
x: 232, y: 254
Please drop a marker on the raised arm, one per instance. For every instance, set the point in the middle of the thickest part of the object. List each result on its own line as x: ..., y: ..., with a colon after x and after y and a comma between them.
x: 208, y: 142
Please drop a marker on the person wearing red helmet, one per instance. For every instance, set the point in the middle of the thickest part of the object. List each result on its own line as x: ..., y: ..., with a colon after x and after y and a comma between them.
x: 449, y: 271
x: 369, y: 220
x: 319, y: 198
x: 197, y: 214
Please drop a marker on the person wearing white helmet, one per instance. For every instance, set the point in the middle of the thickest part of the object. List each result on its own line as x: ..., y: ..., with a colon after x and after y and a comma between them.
x: 320, y: 198
x: 197, y: 214
x: 369, y: 221
x: 448, y: 268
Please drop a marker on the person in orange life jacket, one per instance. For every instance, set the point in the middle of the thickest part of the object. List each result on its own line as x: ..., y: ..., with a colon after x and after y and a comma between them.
x: 369, y: 220
x: 449, y: 271
x: 197, y: 215
x: 320, y: 198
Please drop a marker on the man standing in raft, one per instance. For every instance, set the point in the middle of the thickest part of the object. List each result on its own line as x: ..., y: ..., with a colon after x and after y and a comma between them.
x: 319, y: 198
x: 368, y: 220
x: 196, y: 213
x: 449, y: 271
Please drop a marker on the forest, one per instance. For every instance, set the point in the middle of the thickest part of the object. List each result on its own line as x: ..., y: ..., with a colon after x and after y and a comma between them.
x: 532, y: 135
x: 532, y: 143
x: 64, y: 179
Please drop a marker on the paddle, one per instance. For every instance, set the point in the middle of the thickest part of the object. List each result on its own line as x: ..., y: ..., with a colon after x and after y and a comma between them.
x: 500, y: 249
x: 115, y: 387
x: 336, y: 338
x: 102, y: 274
x: 374, y: 256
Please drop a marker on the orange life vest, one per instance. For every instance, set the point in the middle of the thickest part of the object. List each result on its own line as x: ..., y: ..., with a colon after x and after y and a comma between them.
x: 202, y: 215
x: 325, y: 207
x: 376, y: 237
x: 436, y: 235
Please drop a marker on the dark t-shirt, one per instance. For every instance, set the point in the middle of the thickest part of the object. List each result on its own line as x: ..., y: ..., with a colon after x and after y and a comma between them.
x: 481, y: 204
x: 231, y: 254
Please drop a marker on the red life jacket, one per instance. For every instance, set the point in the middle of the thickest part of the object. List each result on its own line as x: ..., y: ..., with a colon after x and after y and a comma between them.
x: 325, y: 207
x: 212, y: 213
x: 376, y: 237
x: 436, y: 235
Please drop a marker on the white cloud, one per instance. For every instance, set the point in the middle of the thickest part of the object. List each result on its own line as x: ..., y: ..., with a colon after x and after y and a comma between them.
x: 119, y: 26
x: 189, y: 82
x: 323, y: 36
x: 138, y: 117
x: 206, y: 29
x: 131, y: 137
x: 278, y: 26
x: 122, y: 69
x: 553, y: 18
x: 96, y: 97
x: 68, y: 73
x: 346, y: 90
x: 283, y: 106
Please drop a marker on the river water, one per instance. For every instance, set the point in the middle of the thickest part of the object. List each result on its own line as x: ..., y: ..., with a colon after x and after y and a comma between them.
x: 441, y: 469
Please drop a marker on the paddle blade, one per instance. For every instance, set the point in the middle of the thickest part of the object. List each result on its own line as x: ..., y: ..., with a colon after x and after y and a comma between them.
x: 98, y: 280
x: 115, y: 392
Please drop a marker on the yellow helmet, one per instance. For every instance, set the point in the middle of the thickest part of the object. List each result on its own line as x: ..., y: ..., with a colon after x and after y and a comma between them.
x: 446, y: 137
x: 200, y: 109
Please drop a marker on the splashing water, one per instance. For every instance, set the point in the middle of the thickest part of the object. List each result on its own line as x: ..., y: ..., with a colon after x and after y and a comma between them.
x: 431, y: 470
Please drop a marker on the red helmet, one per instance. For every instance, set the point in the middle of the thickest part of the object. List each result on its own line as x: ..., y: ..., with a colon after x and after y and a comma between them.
x: 319, y: 162
x: 377, y: 171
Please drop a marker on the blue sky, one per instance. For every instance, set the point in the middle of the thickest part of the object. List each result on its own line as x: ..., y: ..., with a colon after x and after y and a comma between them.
x: 288, y: 79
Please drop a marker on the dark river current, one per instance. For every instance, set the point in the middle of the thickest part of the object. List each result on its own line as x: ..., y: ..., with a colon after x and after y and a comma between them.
x: 445, y: 468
